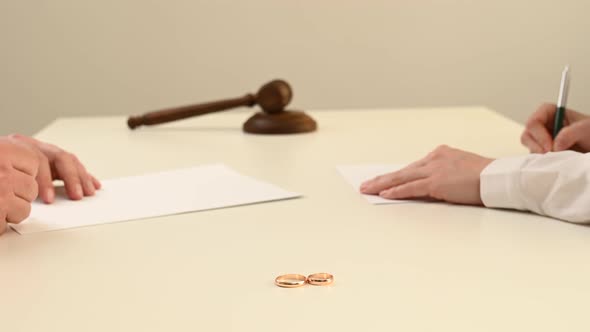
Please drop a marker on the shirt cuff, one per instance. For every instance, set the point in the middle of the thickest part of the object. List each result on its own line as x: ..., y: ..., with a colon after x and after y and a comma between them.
x: 500, y: 183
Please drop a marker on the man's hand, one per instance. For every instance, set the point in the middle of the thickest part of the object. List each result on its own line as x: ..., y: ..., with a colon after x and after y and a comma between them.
x: 446, y: 174
x: 18, y: 168
x: 57, y: 164
x: 575, y: 135
x: 28, y: 168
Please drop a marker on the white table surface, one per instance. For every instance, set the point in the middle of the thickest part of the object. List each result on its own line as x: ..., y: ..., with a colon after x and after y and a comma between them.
x: 408, y: 267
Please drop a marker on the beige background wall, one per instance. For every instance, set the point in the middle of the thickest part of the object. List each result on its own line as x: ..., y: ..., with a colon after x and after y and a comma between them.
x: 81, y: 57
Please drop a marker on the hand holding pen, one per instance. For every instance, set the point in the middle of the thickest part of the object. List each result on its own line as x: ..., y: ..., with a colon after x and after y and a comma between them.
x: 571, y: 128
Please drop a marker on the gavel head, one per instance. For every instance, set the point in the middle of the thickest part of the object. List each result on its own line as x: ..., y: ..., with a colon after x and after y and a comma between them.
x: 274, y: 96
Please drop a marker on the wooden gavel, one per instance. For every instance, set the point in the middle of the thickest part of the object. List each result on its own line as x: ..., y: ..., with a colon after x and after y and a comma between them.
x: 272, y: 97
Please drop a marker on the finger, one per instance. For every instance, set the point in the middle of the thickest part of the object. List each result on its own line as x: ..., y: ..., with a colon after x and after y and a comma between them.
x: 366, y: 187
x: 421, y: 162
x: 45, y: 181
x: 414, y: 189
x: 530, y: 143
x: 67, y: 170
x: 19, y: 210
x: 24, y: 186
x: 383, y: 182
x: 570, y: 135
x: 85, y: 179
x: 538, y: 126
x: 540, y: 134
x: 545, y: 115
x: 96, y: 183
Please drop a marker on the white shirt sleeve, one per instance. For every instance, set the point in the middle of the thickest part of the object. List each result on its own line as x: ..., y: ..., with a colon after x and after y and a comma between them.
x: 556, y: 184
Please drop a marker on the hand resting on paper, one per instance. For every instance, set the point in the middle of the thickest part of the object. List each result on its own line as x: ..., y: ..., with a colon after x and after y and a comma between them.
x: 27, y: 170
x: 445, y: 174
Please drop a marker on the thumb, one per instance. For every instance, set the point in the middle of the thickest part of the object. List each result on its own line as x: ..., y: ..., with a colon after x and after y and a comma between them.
x: 570, y: 135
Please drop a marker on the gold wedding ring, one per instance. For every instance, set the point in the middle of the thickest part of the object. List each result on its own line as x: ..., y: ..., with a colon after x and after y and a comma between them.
x: 290, y: 280
x: 320, y: 279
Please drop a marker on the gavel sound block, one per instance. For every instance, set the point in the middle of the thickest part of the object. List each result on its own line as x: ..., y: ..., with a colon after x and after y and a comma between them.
x: 272, y: 97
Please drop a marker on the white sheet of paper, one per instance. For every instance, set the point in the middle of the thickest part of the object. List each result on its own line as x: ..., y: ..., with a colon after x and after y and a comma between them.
x: 194, y: 189
x: 357, y: 174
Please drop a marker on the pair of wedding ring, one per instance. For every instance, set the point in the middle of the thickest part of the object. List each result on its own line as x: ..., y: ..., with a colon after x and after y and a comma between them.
x: 298, y: 280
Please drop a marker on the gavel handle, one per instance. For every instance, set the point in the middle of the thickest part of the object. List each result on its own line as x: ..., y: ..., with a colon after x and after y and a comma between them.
x: 177, y: 113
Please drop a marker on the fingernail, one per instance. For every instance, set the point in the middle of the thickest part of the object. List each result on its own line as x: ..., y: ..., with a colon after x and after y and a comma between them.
x: 49, y: 195
x: 90, y: 185
x: 384, y: 193
x: 364, y: 186
x: 79, y: 191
